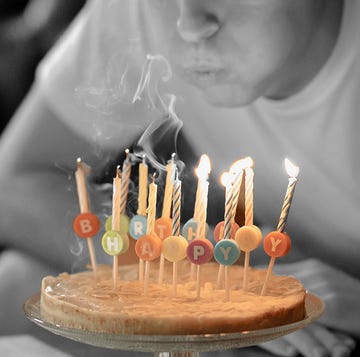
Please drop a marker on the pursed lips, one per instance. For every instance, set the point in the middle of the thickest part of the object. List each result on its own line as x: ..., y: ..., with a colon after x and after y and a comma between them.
x: 202, y: 71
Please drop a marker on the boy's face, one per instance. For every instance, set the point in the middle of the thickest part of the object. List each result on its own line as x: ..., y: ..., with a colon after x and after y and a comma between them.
x: 234, y: 51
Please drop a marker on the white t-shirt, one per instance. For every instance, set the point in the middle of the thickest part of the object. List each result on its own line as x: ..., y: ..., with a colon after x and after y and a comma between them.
x: 316, y: 128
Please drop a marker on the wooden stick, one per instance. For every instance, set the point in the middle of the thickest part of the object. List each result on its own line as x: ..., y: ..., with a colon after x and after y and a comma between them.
x: 198, y: 282
x: 115, y: 270
x: 227, y: 285
x: 192, y: 271
x: 141, y: 270
x: 92, y: 254
x: 161, y: 269
x: 268, y: 273
x: 147, y: 276
x: 174, y: 279
x: 82, y: 170
x: 220, y: 276
x: 246, y: 269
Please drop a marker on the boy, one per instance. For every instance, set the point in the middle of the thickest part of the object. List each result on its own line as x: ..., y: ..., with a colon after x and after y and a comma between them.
x: 264, y: 78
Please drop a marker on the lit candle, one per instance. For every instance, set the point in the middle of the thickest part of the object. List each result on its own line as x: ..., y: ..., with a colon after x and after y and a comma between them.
x: 237, y: 169
x: 249, y: 193
x: 249, y: 212
x: 92, y: 224
x: 192, y: 227
x: 226, y: 180
x: 277, y: 243
x: 125, y: 182
x: 293, y: 171
x: 202, y: 171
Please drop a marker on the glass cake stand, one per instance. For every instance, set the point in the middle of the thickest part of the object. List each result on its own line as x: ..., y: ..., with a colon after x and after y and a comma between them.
x: 176, y: 345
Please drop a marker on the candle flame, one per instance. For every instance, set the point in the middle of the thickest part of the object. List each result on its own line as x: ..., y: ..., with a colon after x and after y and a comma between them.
x: 227, y: 179
x: 204, y: 168
x: 248, y: 162
x: 291, y: 169
x: 241, y: 164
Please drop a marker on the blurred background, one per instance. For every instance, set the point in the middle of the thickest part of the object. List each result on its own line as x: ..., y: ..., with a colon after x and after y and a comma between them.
x: 28, y: 29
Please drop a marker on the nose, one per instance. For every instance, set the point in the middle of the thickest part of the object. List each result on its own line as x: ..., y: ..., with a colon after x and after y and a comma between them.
x: 196, y: 22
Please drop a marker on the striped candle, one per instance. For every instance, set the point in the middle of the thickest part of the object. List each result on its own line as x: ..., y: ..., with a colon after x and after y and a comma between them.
x: 126, y: 172
x: 292, y: 171
x: 176, y: 207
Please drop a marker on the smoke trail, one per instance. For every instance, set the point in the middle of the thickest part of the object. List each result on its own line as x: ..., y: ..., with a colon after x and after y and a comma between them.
x: 159, y: 141
x: 115, y: 84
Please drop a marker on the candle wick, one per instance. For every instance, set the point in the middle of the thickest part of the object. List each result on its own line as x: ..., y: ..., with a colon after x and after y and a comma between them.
x: 82, y: 166
x: 118, y: 171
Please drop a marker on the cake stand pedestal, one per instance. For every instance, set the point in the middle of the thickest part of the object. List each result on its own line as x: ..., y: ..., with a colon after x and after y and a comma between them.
x: 176, y: 345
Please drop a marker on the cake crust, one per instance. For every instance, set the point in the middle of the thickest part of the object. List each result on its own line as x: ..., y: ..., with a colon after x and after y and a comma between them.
x: 89, y: 302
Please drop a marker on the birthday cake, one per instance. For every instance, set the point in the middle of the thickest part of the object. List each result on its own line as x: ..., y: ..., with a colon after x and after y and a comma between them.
x: 89, y: 301
x: 199, y: 296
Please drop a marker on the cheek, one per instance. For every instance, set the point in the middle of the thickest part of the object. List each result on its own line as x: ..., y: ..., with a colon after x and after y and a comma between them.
x: 260, y: 51
x: 161, y: 21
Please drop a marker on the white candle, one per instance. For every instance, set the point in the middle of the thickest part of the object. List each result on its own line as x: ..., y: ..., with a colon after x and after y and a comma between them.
x: 226, y: 180
x: 81, y: 171
x: 249, y: 195
x: 237, y: 169
x: 202, y: 171
x: 143, y: 188
x: 170, y: 167
x: 151, y: 210
x: 117, y: 189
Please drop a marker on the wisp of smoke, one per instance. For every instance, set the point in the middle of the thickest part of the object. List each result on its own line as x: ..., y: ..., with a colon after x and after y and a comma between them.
x: 159, y: 141
x: 115, y: 84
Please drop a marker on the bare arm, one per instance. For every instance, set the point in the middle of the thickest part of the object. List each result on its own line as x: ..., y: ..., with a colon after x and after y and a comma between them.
x: 37, y: 191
